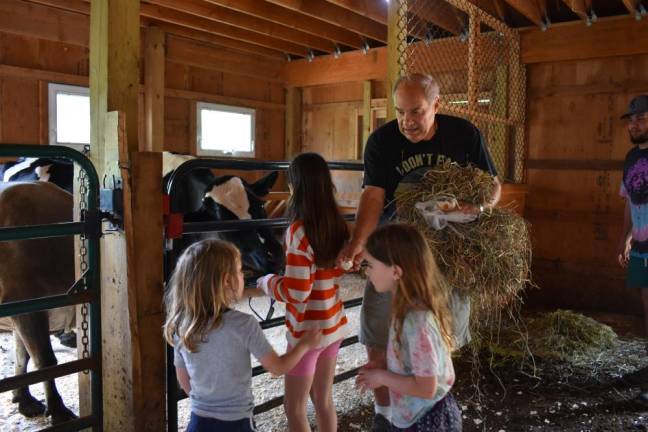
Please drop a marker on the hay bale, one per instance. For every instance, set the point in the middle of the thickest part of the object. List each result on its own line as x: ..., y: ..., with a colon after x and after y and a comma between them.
x: 489, y: 258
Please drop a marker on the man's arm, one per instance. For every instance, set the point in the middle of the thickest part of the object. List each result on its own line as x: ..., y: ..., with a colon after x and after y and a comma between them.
x: 369, y: 210
x: 623, y: 250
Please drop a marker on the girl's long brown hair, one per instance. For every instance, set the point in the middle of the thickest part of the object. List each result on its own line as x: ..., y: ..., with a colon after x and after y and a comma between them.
x: 421, y: 286
x: 313, y: 201
x: 196, y: 298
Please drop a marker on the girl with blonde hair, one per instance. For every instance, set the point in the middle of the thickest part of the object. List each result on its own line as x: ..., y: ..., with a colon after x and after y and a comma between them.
x: 212, y: 343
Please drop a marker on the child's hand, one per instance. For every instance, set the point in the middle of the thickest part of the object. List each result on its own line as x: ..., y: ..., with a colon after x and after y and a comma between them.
x: 369, y: 379
x: 311, y: 338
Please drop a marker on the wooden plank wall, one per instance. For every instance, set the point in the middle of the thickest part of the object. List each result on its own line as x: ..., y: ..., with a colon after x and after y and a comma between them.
x: 31, y: 56
x: 576, y: 147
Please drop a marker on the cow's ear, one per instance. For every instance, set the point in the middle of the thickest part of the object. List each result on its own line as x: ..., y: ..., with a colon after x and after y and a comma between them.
x: 262, y: 186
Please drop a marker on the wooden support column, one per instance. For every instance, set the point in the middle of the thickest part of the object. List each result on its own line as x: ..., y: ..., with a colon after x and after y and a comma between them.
x: 498, y: 133
x: 293, y: 122
x: 517, y: 113
x: 131, y: 279
x: 473, y: 66
x: 367, y: 95
x: 396, y: 44
x: 154, y: 72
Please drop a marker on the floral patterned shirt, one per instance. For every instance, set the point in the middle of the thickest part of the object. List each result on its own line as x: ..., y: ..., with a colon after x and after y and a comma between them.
x: 421, y: 352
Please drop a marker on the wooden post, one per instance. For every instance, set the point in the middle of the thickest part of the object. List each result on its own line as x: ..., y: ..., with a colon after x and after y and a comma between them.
x: 131, y: 279
x: 154, y: 64
x: 396, y: 45
x: 473, y: 66
x: 367, y: 95
x: 498, y: 133
x: 517, y: 112
x: 293, y: 122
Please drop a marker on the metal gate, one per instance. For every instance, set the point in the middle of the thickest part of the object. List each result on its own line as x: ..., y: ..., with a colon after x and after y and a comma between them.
x: 83, y: 291
x: 174, y: 393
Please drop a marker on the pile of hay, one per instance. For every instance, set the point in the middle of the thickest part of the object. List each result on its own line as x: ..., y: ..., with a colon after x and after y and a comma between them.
x: 563, y: 339
x: 489, y: 258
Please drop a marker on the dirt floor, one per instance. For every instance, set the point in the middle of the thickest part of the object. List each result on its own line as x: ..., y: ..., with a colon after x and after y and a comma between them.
x: 599, y: 397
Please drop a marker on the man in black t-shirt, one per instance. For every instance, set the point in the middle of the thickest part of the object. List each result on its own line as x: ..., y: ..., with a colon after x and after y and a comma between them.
x: 419, y: 137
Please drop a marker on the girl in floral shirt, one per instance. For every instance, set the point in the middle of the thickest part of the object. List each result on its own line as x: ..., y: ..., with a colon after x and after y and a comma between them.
x: 419, y: 371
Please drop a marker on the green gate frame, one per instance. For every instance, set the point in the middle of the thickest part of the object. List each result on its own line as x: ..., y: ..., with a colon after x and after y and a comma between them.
x: 84, y: 290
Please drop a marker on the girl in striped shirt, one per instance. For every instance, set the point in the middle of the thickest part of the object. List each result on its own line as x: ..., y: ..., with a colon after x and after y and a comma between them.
x: 310, y: 290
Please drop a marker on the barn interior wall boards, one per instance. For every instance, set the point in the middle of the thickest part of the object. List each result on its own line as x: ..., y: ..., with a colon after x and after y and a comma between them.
x: 41, y: 44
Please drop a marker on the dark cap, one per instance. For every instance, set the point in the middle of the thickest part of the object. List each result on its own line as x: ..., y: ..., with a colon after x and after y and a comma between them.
x: 638, y: 105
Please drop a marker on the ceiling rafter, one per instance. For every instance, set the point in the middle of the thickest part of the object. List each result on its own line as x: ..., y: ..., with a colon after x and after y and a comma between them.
x: 440, y: 14
x: 337, y: 15
x: 83, y: 7
x: 224, y: 15
x: 375, y: 10
x: 534, y: 10
x: 581, y: 8
x: 296, y: 20
x: 495, y: 8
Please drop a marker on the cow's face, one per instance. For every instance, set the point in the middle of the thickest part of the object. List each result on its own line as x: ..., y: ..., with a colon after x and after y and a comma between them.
x: 232, y: 198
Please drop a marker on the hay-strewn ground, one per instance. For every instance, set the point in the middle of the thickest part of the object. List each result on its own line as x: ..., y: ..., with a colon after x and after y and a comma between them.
x: 581, y: 403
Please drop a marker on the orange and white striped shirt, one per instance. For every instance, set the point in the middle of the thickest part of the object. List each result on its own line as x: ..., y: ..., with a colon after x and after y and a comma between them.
x: 311, y: 293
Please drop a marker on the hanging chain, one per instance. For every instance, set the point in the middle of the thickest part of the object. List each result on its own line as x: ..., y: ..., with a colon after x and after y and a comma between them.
x: 83, y: 254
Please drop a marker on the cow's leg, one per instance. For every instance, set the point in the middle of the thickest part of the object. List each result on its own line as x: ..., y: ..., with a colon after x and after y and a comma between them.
x: 34, y: 331
x: 28, y: 405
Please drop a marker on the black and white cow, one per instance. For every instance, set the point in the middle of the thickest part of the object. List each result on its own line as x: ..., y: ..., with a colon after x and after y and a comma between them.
x: 204, y: 197
x: 57, y: 171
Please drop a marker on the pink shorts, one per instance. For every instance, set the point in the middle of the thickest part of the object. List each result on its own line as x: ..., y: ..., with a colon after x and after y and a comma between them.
x: 306, y: 366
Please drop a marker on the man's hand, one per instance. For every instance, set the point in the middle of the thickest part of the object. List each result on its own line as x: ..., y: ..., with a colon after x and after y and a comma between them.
x: 351, y: 253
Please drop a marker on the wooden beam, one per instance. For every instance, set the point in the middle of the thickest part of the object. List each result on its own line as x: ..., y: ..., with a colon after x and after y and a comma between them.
x: 532, y: 9
x: 616, y: 36
x: 133, y: 356
x: 206, y: 25
x: 28, y: 19
x: 367, y: 95
x: 336, y: 15
x: 494, y: 8
x: 183, y: 51
x: 375, y: 10
x: 218, y: 41
x: 631, y: 5
x: 580, y: 7
x: 350, y: 66
x: 228, y: 100
x: 395, y: 51
x: 231, y: 17
x: 498, y: 136
x: 154, y: 65
x: 438, y: 13
x: 290, y: 18
x: 59, y: 29
x: 489, y: 20
x: 473, y: 63
x: 293, y: 144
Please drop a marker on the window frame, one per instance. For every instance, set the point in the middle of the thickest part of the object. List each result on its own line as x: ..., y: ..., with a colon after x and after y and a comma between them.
x: 200, y: 106
x: 52, y: 90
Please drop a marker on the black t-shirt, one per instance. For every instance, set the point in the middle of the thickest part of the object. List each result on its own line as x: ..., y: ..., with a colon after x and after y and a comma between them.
x: 389, y: 156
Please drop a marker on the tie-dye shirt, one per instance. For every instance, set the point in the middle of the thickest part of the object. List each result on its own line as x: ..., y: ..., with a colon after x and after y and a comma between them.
x: 421, y: 352
x: 634, y: 187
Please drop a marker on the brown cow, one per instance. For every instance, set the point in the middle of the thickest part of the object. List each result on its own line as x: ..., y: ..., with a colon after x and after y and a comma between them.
x: 35, y: 268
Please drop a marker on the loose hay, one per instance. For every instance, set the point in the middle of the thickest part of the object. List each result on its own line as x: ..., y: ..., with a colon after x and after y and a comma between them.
x: 561, y: 341
x: 487, y: 259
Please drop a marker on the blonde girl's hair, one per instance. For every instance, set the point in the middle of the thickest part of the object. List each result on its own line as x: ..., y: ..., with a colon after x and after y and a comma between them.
x: 196, y: 297
x: 421, y: 286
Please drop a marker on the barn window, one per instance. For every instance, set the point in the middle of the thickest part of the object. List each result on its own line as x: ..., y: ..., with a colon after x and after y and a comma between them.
x: 69, y: 116
x: 224, y: 130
